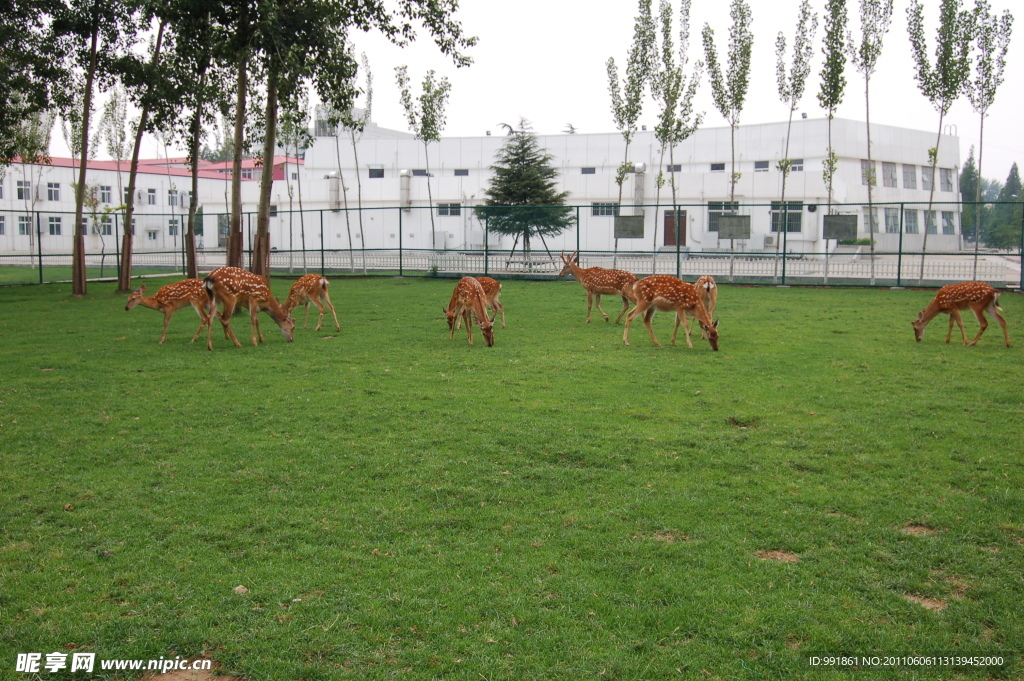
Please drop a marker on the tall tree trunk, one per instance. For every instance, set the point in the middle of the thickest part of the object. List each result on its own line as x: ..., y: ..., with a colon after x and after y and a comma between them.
x: 302, y: 216
x: 78, y: 285
x: 871, y: 179
x: 234, y: 254
x: 261, y: 249
x: 344, y: 194
x: 430, y: 198
x: 359, y: 195
x: 977, y: 199
x: 124, y: 282
x: 193, y: 198
x: 784, y: 217
x: 931, y: 198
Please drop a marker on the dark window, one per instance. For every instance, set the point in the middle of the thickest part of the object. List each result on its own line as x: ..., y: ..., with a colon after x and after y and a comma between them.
x: 588, y: 171
x: 604, y: 209
x: 760, y: 166
x: 462, y: 172
x: 718, y: 167
x: 419, y: 172
x: 449, y: 209
x: 717, y: 209
x: 794, y: 216
x: 376, y: 173
x: 798, y: 165
x: 677, y: 168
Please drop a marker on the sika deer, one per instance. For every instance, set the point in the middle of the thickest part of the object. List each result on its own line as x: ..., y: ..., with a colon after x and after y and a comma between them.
x: 662, y: 292
x: 976, y: 295
x: 492, y: 289
x: 598, y: 281
x: 311, y: 288
x: 469, y: 297
x: 173, y: 297
x: 234, y: 286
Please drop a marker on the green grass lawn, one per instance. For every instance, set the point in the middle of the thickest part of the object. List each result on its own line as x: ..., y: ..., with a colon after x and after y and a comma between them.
x: 559, y: 506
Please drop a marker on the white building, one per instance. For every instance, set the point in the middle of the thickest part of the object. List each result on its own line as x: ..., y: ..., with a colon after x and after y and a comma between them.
x: 390, y: 184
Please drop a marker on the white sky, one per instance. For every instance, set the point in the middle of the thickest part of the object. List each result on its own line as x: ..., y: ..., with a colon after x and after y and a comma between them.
x: 545, y: 60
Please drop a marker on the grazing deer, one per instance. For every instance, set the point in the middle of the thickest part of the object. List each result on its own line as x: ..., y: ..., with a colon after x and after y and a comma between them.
x: 976, y: 295
x: 492, y: 289
x: 173, y: 297
x: 598, y: 281
x: 707, y: 289
x: 469, y: 297
x: 662, y: 292
x: 311, y: 288
x: 233, y: 286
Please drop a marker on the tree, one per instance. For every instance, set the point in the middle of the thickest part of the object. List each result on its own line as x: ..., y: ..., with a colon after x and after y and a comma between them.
x: 426, y: 120
x: 627, y: 97
x: 970, y: 191
x: 1006, y: 230
x: 674, y: 91
x: 356, y: 126
x: 791, y: 90
x: 943, y: 83
x: 522, y: 196
x: 875, y: 17
x: 991, y: 41
x: 833, y: 82
x: 730, y: 90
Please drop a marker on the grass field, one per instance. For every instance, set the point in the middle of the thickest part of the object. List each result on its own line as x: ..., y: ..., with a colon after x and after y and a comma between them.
x: 559, y: 506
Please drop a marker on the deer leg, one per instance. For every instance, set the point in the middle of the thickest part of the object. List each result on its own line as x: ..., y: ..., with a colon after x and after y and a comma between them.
x: 681, y: 315
x: 648, y: 317
x: 1002, y: 322
x: 954, y: 315
x: 320, y: 319
x: 980, y: 314
x: 639, y: 309
x: 167, y: 320
x: 305, y: 315
x: 625, y: 306
x: 590, y: 303
x: 468, y: 319
x: 203, y: 321
x: 500, y: 308
x: 334, y: 314
x: 598, y: 296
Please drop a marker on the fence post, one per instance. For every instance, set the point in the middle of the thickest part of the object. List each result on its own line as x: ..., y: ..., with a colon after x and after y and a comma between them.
x: 39, y: 245
x: 401, y: 252
x: 322, y: 242
x: 578, y: 229
x: 785, y: 239
x: 487, y: 243
x: 117, y: 249
x: 899, y: 254
x: 1021, y: 248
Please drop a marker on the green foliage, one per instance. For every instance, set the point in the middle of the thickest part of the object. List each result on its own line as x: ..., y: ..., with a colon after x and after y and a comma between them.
x: 875, y: 18
x: 1007, y: 216
x: 833, y: 80
x: 944, y: 82
x: 671, y: 86
x: 522, y: 195
x: 793, y: 80
x: 550, y: 508
x: 426, y: 115
x: 991, y: 42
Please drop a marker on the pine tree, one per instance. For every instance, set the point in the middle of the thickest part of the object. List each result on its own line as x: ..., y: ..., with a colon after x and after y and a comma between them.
x: 1006, y: 232
x: 522, y: 196
x: 969, y: 190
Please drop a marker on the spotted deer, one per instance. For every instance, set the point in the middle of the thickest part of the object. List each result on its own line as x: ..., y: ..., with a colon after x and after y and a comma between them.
x: 492, y: 289
x: 311, y: 288
x: 663, y: 292
x: 976, y: 295
x: 707, y: 289
x: 469, y: 298
x: 598, y: 281
x: 233, y: 286
x: 173, y: 297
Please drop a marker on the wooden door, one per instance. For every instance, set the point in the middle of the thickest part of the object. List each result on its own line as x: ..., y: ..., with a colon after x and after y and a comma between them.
x: 670, y: 228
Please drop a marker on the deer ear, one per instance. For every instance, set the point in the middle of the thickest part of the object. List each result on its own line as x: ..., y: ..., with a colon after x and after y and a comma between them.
x: 141, y: 289
x: 715, y: 324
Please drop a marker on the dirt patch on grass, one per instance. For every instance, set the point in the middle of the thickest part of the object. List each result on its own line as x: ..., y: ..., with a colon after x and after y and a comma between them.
x: 190, y: 674
x: 933, y: 604
x: 918, y: 530
x: 668, y: 537
x: 781, y: 556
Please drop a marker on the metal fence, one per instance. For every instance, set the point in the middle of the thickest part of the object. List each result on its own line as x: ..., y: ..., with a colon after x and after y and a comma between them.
x: 356, y: 242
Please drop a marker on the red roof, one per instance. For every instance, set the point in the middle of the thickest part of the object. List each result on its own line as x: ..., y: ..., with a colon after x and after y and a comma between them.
x: 176, y: 166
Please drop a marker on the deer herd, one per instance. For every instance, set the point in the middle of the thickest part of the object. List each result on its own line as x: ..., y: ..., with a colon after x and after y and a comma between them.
x: 235, y: 289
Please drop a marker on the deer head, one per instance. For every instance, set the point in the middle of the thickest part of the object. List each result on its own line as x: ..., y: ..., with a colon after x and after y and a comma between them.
x: 135, y: 298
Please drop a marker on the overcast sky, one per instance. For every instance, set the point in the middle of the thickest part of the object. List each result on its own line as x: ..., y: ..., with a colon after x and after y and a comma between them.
x: 545, y: 60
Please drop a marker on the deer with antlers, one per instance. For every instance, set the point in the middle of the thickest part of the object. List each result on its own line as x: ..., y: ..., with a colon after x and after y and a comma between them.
x: 469, y: 299
x: 976, y: 295
x: 598, y: 281
x: 173, y: 297
x: 492, y: 289
x: 311, y: 288
x: 664, y: 292
x: 233, y: 286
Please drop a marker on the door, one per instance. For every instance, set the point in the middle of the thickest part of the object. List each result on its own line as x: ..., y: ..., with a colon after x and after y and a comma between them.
x: 670, y: 228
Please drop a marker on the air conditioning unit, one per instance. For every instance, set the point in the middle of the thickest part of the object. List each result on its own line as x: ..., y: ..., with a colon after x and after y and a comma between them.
x: 140, y: 195
x: 769, y: 241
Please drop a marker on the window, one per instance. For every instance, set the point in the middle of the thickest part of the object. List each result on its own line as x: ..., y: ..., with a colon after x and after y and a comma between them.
x: 54, y: 226
x: 295, y: 176
x: 716, y: 209
x: 462, y: 172
x: 172, y: 197
x: 926, y: 178
x: 588, y: 171
x: 273, y: 210
x: 760, y: 166
x: 870, y: 220
x: 449, y: 209
x: 677, y: 168
x: 892, y: 220
x: 126, y: 196
x: 604, y: 209
x: 867, y: 173
x: 910, y: 221
x: 151, y: 234
x: 53, y: 191
x: 376, y: 173
x: 909, y: 177
x: 172, y: 227
x: 323, y: 129
x: 106, y: 226
x: 929, y: 222
x: 946, y: 179
x: 185, y: 198
x: 24, y: 191
x: 151, y: 197
x: 794, y: 211
x: 798, y: 166
x: 3, y: 225
x: 889, y: 175
x: 419, y: 172
x: 24, y: 225
x: 105, y: 194
x: 1, y: 190
x: 247, y: 173
x: 718, y: 167
x: 948, y: 222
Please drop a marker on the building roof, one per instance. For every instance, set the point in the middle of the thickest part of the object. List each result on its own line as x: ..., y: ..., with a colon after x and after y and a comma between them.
x: 177, y: 167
